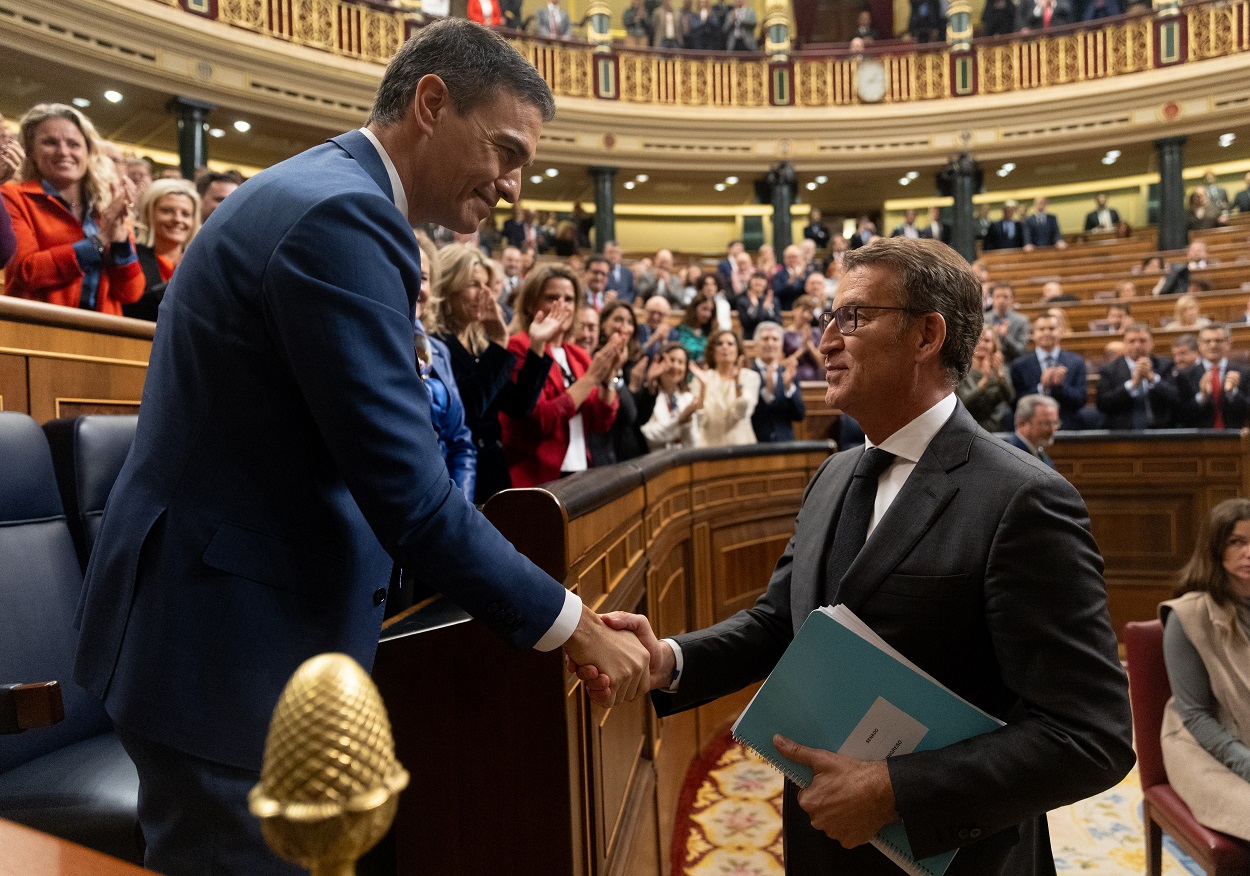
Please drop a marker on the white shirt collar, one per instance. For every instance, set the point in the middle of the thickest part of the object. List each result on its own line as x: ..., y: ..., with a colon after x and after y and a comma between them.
x: 1042, y: 354
x: 911, y: 441
x: 397, y: 188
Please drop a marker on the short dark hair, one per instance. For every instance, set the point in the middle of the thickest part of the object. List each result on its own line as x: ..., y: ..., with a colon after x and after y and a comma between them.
x: 1205, y: 570
x: 597, y: 260
x: 476, y: 64
x: 994, y: 287
x: 207, y: 179
x: 930, y: 277
x: 1139, y: 327
x: 1186, y: 340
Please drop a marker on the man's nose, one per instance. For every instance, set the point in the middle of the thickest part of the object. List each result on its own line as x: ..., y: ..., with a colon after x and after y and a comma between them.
x: 509, y: 187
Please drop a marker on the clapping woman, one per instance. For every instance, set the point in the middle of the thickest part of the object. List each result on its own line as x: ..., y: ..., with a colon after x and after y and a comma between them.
x: 674, y: 420
x: 1206, y: 647
x: 11, y: 156
x: 986, y: 389
x: 169, y: 216
x: 71, y: 216
x: 730, y: 393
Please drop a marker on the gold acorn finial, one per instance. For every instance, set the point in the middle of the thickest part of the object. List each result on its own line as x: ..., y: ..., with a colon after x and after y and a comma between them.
x: 330, y: 782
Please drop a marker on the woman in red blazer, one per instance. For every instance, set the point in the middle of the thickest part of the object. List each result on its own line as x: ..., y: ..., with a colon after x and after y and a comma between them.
x: 579, y: 396
x: 70, y: 215
x: 480, y: 12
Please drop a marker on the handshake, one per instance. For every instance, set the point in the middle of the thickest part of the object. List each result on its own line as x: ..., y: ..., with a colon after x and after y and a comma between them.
x: 617, y: 656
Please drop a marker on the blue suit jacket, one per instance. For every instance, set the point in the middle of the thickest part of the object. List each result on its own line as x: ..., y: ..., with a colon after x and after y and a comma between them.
x: 1026, y: 373
x: 455, y: 438
x: 284, y: 460
x: 622, y: 283
x: 1042, y: 229
x: 1016, y: 441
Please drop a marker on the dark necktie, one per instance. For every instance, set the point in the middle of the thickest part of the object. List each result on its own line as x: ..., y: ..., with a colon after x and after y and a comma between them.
x: 1217, y: 396
x: 855, y: 516
x: 1044, y: 457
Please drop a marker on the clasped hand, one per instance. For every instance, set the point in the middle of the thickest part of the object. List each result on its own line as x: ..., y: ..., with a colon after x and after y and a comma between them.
x: 603, y: 686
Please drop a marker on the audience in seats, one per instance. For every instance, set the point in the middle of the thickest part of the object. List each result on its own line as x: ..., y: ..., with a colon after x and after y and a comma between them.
x: 939, y: 230
x: 624, y: 439
x: 139, y: 172
x: 1137, y: 391
x: 169, y: 216
x: 1241, y: 203
x: 1184, y: 352
x: 1216, y: 195
x: 766, y: 260
x: 70, y: 215
x: 908, y: 227
x: 703, y: 28
x: 1125, y: 290
x: 864, y: 28
x: 740, y: 277
x: 655, y: 330
x: 982, y: 272
x: 490, y: 379
x: 1206, y: 647
x: 596, y: 279
x: 675, y: 419
x: 666, y: 26
x: 552, y: 21
x: 757, y: 304
x: 986, y: 389
x: 927, y: 21
x: 587, y: 328
x: 1119, y: 317
x: 1043, y: 15
x: 662, y: 280
x: 781, y: 400
x: 1186, y: 315
x: 1052, y: 292
x: 1010, y: 326
x: 213, y: 188
x: 815, y: 230
x: 1037, y: 419
x: 711, y: 284
x: 579, y: 394
x: 726, y: 266
x: 865, y: 231
x: 11, y: 157
x: 1201, y: 214
x: 620, y: 278
x: 998, y: 18
x: 739, y: 28
x: 637, y: 23
x: 697, y: 324
x: 788, y: 282
x: 1007, y: 232
x: 730, y: 392
x: 1102, y: 217
x: 1041, y: 228
x: 1212, y: 391
x: 1052, y: 371
x: 801, y: 340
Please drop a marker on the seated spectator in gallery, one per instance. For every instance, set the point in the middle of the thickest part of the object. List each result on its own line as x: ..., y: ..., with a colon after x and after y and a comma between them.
x: 781, y: 398
x: 1119, y: 317
x: 487, y: 12
x: 731, y: 390
x: 1213, y: 391
x: 739, y: 27
x: 1037, y: 419
x: 1102, y: 217
x: 579, y: 395
x: 757, y: 304
x: 1061, y: 317
x: 710, y: 283
x: 908, y: 227
x: 70, y: 215
x: 655, y: 331
x: 801, y: 339
x: 1206, y: 649
x: 697, y: 324
x: 213, y: 188
x: 1007, y: 232
x: 1010, y: 326
x: 1200, y: 214
x: 1184, y: 352
x: 595, y: 278
x: 725, y: 267
x: 637, y: 23
x: 1138, y: 391
x: 1052, y: 371
x: 986, y: 389
x: 674, y: 420
x: 620, y: 277
x: 624, y: 440
x: 553, y: 22
x: 588, y: 328
x: 661, y: 279
x: 740, y: 276
x: 766, y: 260
x: 1096, y: 9
x: 1043, y: 15
x: 815, y: 230
x: 927, y: 21
x: 789, y: 281
x: 1125, y: 289
x: 1187, y: 315
x: 1041, y: 228
x: 998, y: 18
x: 1052, y: 293
x: 169, y: 216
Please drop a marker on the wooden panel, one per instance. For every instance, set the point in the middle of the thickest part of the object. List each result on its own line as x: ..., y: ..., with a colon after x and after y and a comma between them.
x: 617, y: 748
x: 13, y: 384
x: 28, y: 852
x: 61, y: 387
x: 743, y: 559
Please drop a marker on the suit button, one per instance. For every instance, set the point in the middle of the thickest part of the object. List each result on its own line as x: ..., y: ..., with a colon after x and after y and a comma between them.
x: 963, y: 833
x: 379, y: 596
x: 975, y: 832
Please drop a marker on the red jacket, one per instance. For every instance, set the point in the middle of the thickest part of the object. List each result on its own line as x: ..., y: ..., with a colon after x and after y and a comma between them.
x: 45, y: 267
x: 536, y: 446
x: 475, y: 13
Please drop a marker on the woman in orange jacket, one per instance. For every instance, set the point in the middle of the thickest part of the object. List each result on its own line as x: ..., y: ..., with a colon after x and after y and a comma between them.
x: 71, y: 216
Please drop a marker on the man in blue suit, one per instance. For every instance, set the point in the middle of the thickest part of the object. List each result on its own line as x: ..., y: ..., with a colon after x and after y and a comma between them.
x: 1042, y: 229
x: 284, y: 461
x: 1037, y: 418
x: 1051, y: 371
x: 781, y: 398
x: 620, y: 277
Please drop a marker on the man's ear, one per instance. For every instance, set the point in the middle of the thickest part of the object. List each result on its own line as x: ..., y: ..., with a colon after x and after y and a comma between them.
x: 429, y: 102
x: 932, y: 336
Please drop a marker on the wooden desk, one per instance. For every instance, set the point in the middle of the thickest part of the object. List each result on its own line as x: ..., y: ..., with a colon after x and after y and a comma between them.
x: 26, y: 852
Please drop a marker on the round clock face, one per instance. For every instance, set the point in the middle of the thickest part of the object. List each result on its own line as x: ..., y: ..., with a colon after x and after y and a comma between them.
x: 870, y: 82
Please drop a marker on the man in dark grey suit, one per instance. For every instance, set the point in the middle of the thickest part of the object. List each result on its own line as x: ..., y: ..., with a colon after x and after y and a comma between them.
x: 978, y: 566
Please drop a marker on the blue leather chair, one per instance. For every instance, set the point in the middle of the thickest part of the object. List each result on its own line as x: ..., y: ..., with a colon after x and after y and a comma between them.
x: 72, y: 779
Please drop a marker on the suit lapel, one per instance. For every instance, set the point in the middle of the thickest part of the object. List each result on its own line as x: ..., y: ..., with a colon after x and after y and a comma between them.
x: 809, y: 573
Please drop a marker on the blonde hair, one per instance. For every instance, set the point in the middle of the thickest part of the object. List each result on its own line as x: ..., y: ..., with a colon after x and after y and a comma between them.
x: 101, y: 173
x: 454, y: 267
x: 145, y: 232
x: 527, y: 303
x: 1181, y: 304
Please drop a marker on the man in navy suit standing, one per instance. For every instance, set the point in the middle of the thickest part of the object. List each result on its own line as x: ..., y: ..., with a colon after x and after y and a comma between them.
x: 1051, y: 371
x: 284, y: 461
x: 1042, y: 229
x: 1007, y: 232
x: 620, y: 277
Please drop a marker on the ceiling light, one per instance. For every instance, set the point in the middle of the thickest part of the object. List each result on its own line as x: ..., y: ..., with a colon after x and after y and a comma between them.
x: 1009, y: 166
x: 536, y: 179
x: 904, y: 181
x: 1113, y: 154
x: 642, y: 177
x: 822, y: 179
x: 552, y: 172
x: 81, y: 102
x: 811, y: 186
x: 911, y: 174
x: 1108, y: 160
x: 242, y: 127
x: 731, y: 180
x: 629, y: 184
x: 216, y: 132
x: 1002, y: 171
x: 113, y: 96
x: 720, y: 187
x: 1226, y: 140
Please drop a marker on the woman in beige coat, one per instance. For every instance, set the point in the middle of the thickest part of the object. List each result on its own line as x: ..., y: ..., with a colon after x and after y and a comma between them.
x: 730, y: 393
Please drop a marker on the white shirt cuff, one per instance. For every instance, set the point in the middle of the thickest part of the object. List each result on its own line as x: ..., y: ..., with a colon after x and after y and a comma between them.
x: 566, y: 623
x: 677, y: 665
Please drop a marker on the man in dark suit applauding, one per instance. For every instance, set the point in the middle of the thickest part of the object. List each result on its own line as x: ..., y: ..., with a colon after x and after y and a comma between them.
x: 1138, y: 390
x: 970, y: 557
x: 1213, y: 392
x: 1051, y: 371
x: 1006, y: 233
x: 781, y: 400
x: 284, y: 461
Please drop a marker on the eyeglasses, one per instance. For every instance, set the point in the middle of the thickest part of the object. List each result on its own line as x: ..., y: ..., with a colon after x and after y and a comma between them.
x: 847, y: 316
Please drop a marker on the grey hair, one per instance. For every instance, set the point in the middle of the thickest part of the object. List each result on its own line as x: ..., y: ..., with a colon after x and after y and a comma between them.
x: 766, y: 326
x: 1028, y: 405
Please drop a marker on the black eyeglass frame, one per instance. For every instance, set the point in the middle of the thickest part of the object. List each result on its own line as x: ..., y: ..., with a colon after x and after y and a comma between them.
x: 850, y: 316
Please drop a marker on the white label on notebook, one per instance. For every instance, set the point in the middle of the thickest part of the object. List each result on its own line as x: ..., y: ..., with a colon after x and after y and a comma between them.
x: 884, y: 731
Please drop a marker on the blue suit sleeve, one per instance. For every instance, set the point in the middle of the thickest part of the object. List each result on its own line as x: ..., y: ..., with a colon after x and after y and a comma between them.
x: 343, y: 323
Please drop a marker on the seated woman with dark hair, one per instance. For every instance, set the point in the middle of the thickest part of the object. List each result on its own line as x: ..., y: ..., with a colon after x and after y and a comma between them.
x: 730, y: 393
x: 1206, y: 646
x: 624, y: 440
x: 579, y: 395
x: 169, y: 216
x: 70, y: 215
x: 802, y: 339
x: 697, y: 324
x: 713, y: 284
x: 674, y: 421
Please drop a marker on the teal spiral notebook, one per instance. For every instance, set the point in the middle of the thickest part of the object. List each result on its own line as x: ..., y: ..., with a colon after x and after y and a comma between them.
x: 840, y: 687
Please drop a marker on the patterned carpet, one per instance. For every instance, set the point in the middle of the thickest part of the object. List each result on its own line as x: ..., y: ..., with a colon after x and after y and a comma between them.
x: 729, y: 823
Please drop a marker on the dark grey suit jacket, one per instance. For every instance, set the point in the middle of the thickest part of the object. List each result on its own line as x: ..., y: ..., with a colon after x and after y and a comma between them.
x: 984, y: 573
